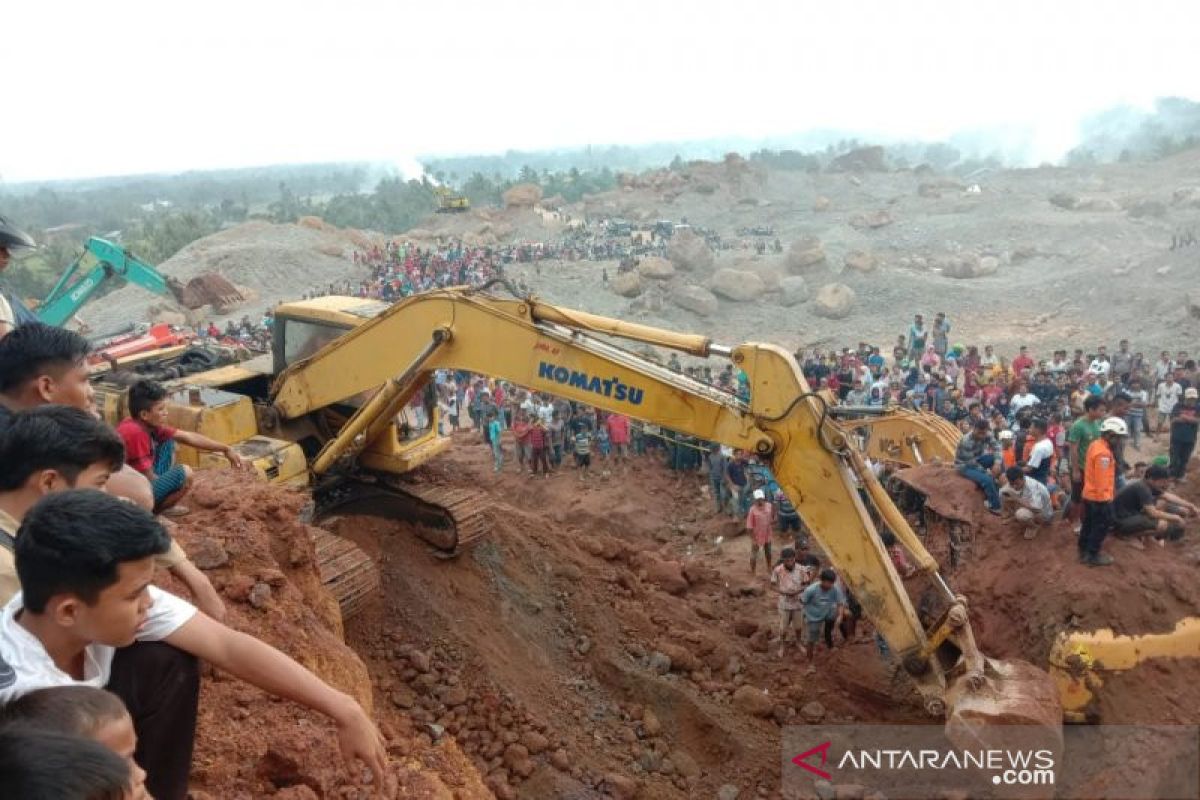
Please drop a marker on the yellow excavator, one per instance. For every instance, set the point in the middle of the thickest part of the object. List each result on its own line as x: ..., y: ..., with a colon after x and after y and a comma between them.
x: 343, y: 390
x: 572, y: 354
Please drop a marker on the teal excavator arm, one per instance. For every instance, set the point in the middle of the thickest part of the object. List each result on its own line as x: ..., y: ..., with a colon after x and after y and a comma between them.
x: 74, y: 289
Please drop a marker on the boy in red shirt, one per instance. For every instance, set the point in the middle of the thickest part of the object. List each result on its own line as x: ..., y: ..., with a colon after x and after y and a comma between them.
x: 150, y: 445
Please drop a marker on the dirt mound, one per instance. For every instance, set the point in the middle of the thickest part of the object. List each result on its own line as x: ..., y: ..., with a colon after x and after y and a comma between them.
x: 270, y: 262
x: 523, y: 195
x: 260, y: 557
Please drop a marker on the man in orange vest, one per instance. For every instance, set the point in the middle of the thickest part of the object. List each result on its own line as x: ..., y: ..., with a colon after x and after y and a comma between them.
x: 1099, y: 489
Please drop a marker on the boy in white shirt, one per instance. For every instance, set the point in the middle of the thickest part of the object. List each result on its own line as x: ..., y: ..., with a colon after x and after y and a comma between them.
x: 86, y: 563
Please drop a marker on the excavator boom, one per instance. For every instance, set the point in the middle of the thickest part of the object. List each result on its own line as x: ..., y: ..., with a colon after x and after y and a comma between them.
x: 557, y: 350
x: 73, y: 290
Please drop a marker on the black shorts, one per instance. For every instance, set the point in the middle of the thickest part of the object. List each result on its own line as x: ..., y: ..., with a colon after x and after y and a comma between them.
x: 789, y: 523
x: 1077, y: 491
x: 583, y: 459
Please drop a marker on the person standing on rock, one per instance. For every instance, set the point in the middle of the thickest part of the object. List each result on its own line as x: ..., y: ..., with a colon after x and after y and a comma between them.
x: 917, y: 334
x: 941, y: 334
x: 760, y: 523
x: 1099, y: 490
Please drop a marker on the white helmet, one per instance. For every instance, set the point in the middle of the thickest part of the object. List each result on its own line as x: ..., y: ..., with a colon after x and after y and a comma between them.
x: 759, y: 494
x: 1114, y: 425
x: 1005, y: 435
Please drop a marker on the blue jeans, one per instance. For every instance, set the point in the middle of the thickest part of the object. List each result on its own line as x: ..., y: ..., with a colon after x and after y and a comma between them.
x: 983, y: 479
x: 497, y: 454
x: 720, y: 492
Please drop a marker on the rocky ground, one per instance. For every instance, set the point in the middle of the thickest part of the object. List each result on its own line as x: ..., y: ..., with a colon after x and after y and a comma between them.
x: 1048, y: 256
x: 603, y: 642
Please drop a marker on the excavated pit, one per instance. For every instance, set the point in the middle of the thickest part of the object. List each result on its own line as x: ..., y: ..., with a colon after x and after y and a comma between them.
x: 599, y: 642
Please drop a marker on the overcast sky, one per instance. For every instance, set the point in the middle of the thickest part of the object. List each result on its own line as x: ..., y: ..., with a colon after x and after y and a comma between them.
x: 105, y: 88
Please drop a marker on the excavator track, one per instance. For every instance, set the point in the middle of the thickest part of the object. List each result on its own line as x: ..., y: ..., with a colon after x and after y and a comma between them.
x: 448, y: 518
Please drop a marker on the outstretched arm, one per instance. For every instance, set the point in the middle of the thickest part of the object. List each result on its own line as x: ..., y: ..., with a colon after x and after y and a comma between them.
x: 261, y: 665
x: 204, y: 443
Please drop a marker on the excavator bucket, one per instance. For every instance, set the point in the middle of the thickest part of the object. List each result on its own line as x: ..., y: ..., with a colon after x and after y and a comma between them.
x: 1012, y: 693
x: 208, y: 289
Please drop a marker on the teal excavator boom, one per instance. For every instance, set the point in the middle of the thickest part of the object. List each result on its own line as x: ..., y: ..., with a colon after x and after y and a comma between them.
x: 75, y: 287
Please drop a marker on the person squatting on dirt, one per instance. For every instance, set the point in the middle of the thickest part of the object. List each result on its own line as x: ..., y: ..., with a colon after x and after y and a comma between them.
x: 150, y: 446
x: 1028, y: 501
x: 1144, y: 509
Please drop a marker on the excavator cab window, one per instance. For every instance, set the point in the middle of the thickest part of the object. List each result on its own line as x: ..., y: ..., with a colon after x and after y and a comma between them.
x: 298, y: 339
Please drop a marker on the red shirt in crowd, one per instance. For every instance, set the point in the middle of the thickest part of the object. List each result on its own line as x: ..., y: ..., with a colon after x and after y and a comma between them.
x: 618, y: 428
x: 141, y: 442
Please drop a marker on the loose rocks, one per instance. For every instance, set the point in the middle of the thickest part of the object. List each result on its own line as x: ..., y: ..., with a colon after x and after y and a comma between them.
x: 834, y: 301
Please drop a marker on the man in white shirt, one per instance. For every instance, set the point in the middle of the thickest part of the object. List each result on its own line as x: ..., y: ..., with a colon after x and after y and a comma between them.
x: 88, y: 614
x: 1164, y: 366
x: 1029, y: 501
x: 1100, y: 364
x: 1023, y: 398
x: 1166, y: 397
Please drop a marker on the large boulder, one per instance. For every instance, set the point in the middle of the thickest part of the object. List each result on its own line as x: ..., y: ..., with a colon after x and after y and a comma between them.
x: 966, y: 265
x: 696, y: 299
x: 736, y: 284
x: 822, y: 203
x: 872, y: 219
x: 523, y: 195
x: 655, y: 267
x: 806, y: 254
x: 689, y: 252
x: 834, y: 301
x: 864, y: 159
x: 861, y: 261
x: 627, y: 284
x: 753, y: 701
x: 793, y: 291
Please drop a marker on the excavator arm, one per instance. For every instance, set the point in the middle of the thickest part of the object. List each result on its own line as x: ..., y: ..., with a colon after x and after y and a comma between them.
x: 556, y: 350
x: 74, y: 289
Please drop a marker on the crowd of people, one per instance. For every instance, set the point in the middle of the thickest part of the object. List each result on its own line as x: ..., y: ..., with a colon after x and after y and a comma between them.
x: 1044, y: 437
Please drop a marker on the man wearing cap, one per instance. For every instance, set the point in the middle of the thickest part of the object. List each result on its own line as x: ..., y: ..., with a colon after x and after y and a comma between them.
x: 1184, y: 421
x: 760, y: 520
x: 1099, y: 489
x: 11, y: 238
